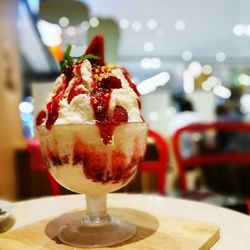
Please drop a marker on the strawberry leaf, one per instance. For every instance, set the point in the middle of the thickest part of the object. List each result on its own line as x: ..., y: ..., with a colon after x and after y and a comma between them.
x: 69, y: 61
x: 88, y: 56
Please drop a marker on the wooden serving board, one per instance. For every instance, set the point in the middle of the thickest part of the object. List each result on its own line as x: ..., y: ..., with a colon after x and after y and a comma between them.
x: 160, y: 231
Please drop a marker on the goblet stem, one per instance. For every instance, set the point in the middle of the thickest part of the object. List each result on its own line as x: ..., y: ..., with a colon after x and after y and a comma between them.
x: 96, y: 213
x: 96, y: 228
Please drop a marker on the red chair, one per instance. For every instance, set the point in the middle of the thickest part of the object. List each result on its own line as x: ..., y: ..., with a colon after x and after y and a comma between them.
x: 212, y: 158
x: 37, y: 164
x: 159, y: 166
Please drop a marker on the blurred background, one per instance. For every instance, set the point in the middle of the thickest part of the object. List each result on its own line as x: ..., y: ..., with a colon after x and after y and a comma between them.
x: 196, y: 51
x: 175, y: 51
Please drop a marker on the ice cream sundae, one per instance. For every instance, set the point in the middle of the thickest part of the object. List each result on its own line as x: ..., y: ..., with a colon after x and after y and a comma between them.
x: 91, y: 130
x: 92, y: 139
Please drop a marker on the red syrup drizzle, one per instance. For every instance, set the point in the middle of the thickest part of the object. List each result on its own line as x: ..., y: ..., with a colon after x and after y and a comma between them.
x: 87, y: 156
x: 56, y: 159
x: 75, y: 89
x: 90, y: 159
x: 100, y: 99
x: 41, y: 117
x: 54, y: 104
x: 131, y: 85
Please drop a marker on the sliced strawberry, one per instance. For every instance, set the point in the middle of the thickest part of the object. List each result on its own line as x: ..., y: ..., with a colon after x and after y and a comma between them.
x: 96, y: 47
x: 111, y: 82
x: 120, y: 114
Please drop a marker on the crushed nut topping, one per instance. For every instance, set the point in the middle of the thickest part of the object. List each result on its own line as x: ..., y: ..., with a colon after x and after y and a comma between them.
x: 102, y: 72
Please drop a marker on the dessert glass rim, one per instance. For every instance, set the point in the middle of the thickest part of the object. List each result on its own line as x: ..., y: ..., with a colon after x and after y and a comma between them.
x: 96, y: 124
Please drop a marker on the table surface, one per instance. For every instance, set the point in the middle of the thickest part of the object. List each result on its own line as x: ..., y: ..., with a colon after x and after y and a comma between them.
x: 234, y: 226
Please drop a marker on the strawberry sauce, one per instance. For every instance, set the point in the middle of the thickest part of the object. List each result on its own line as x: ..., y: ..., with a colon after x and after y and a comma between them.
x: 100, y: 99
x: 90, y: 159
x: 97, y: 165
x: 75, y: 90
x: 54, y: 104
x: 41, y: 117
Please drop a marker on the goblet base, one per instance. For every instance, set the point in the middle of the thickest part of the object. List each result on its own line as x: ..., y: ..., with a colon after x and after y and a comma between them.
x: 81, y: 233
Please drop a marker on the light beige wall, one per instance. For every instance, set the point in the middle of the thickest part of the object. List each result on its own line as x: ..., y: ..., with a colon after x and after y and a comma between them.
x: 10, y: 94
x: 158, y: 101
x: 204, y: 104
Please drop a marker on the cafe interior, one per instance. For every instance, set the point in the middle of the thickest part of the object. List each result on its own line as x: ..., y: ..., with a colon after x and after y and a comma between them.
x: 190, y: 63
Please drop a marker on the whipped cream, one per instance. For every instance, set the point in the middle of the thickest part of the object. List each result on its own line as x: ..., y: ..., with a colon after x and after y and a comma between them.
x: 78, y: 109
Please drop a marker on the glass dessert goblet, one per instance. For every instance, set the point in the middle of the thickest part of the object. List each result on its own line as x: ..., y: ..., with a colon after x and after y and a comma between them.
x: 79, y: 160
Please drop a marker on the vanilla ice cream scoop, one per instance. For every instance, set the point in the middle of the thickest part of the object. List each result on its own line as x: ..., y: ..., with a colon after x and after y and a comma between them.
x: 90, y: 92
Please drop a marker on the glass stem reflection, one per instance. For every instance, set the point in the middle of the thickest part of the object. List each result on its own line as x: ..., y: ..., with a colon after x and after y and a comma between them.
x: 96, y: 213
